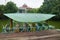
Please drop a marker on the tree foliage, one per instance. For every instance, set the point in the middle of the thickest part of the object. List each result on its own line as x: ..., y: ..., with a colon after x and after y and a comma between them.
x: 32, y: 10
x: 52, y: 7
x: 11, y: 7
x: 2, y: 8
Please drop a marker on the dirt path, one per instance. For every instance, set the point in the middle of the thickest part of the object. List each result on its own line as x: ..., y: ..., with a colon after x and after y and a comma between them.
x: 43, y: 35
x: 31, y: 37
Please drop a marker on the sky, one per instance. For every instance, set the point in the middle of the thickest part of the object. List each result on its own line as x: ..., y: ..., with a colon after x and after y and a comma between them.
x: 30, y: 3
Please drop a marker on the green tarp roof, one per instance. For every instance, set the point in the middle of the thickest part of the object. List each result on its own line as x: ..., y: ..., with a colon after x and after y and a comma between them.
x: 29, y: 17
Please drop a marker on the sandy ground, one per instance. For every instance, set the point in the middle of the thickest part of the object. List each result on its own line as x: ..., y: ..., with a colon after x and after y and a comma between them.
x: 48, y: 37
x: 43, y: 35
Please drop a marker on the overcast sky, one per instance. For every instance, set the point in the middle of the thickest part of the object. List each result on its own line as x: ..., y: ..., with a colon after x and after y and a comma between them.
x: 30, y: 3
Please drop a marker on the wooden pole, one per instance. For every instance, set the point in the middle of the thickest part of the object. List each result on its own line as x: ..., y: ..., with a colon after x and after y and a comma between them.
x: 11, y: 23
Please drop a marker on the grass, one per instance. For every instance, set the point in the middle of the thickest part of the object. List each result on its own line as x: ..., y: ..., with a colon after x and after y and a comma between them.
x: 3, y: 23
x: 54, y: 23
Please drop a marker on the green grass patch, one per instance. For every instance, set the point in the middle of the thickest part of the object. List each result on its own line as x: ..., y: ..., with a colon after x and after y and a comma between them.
x: 3, y: 23
x: 55, y: 23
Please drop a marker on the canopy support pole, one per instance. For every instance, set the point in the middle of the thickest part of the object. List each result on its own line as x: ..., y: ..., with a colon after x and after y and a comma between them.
x: 11, y: 23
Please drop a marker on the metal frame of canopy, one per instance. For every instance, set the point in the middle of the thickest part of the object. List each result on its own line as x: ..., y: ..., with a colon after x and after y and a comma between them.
x: 28, y: 17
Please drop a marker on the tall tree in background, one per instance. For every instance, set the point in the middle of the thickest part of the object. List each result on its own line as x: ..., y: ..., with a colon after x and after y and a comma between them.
x: 11, y: 7
x: 33, y: 10
x: 52, y: 7
x: 2, y: 8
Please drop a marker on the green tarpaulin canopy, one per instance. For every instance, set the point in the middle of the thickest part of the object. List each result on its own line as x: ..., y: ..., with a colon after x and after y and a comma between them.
x: 29, y: 17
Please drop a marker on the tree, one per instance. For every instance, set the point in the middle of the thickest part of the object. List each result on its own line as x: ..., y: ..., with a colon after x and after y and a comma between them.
x: 11, y: 7
x: 2, y: 8
x: 52, y: 7
x: 49, y: 5
x: 32, y: 10
x: 56, y: 9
